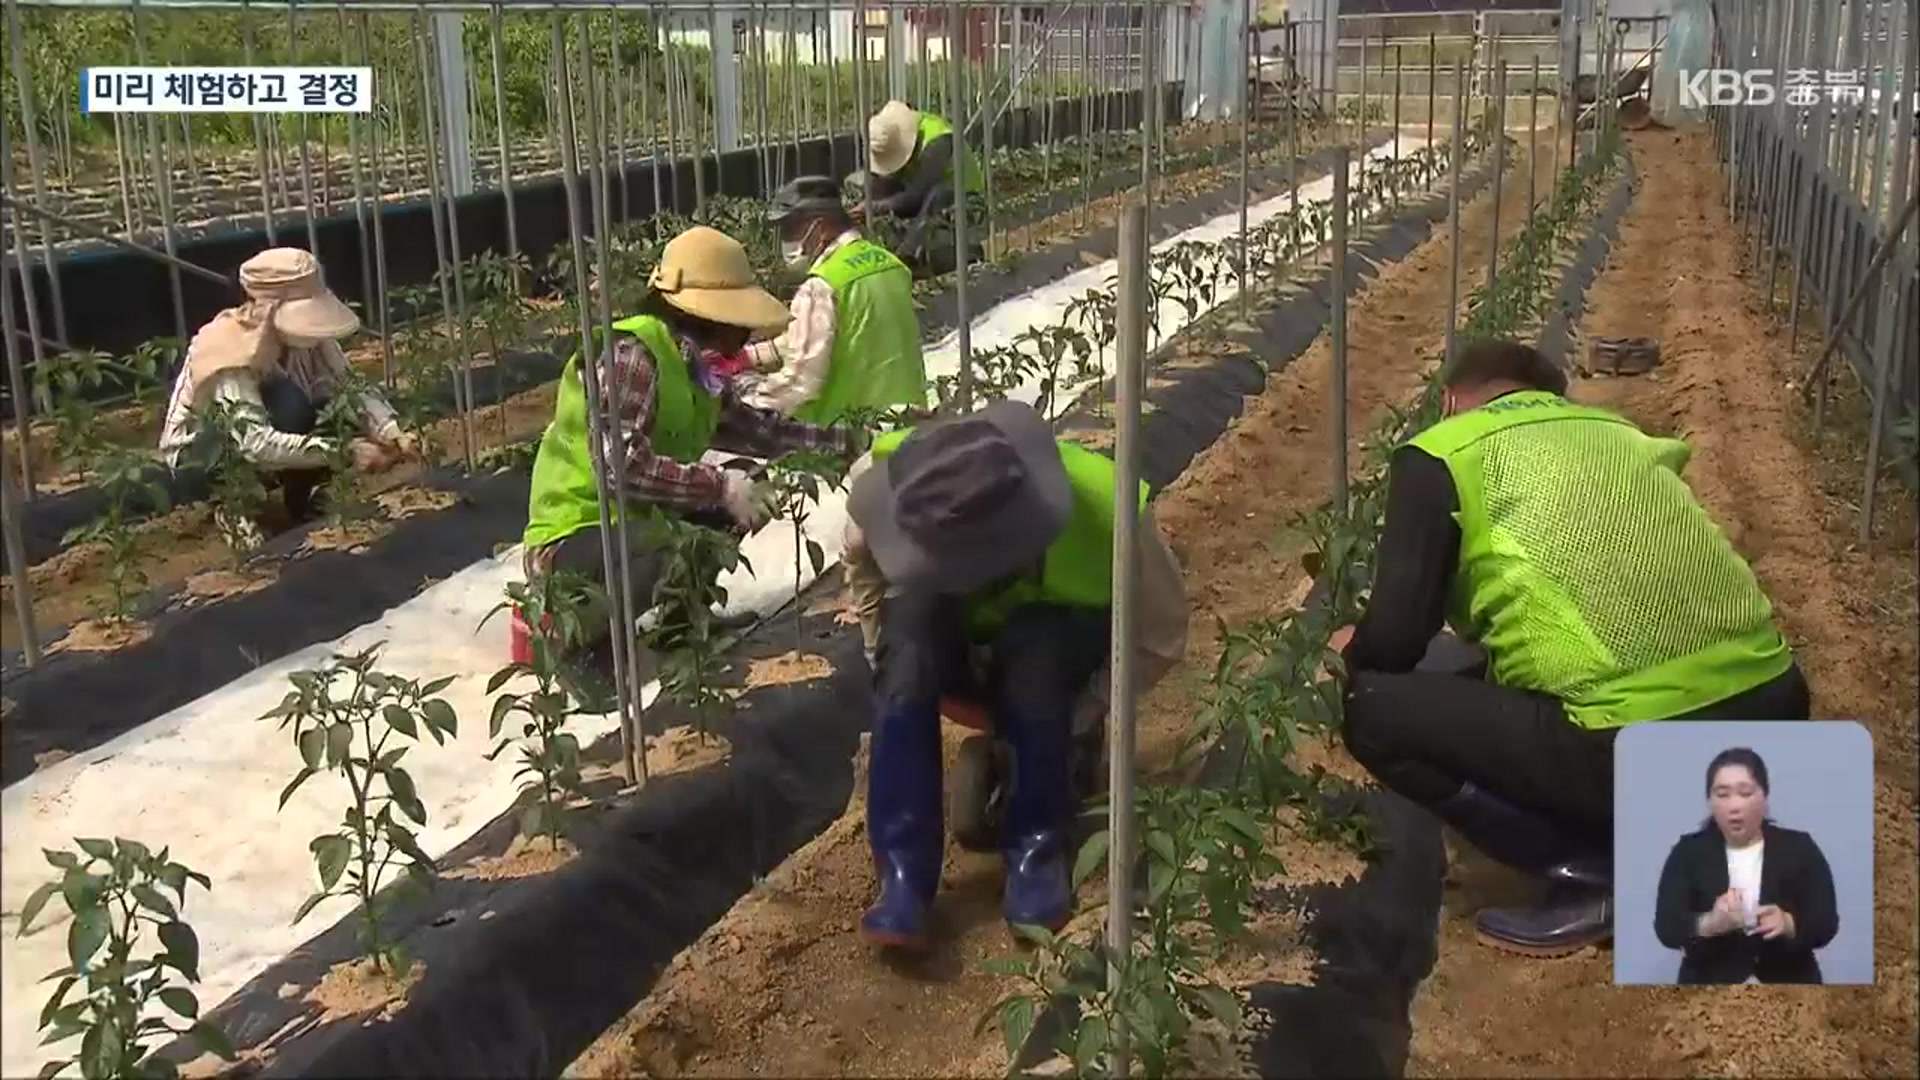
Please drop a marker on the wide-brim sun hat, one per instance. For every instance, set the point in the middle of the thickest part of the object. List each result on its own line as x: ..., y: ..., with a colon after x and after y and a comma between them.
x: 962, y: 503
x: 705, y: 273
x: 891, y: 135
x: 804, y: 195
x: 303, y: 305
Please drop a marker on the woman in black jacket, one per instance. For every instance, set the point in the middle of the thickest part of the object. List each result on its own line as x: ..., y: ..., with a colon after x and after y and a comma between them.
x: 1743, y: 899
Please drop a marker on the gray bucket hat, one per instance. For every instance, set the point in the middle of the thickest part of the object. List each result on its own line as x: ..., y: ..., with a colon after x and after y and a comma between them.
x: 804, y: 195
x: 964, y: 502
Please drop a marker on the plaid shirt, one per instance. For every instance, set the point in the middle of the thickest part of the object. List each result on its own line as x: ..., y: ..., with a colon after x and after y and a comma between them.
x: 627, y: 381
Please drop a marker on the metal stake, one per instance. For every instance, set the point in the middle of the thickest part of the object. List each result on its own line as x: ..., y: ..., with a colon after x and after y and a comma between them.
x: 1338, y: 330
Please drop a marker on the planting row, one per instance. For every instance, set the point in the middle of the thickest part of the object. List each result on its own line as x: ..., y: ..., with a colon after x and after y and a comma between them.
x: 111, y: 572
x: 369, y: 729
x: 517, y: 324
x: 1204, y: 848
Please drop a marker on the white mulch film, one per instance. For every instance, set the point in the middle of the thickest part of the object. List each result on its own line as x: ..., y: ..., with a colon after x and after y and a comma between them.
x: 205, y: 777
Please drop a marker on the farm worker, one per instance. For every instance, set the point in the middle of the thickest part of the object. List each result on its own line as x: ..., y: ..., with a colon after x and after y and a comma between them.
x: 854, y: 341
x: 910, y: 177
x: 701, y: 300
x: 993, y: 536
x: 1563, y: 541
x: 276, y: 361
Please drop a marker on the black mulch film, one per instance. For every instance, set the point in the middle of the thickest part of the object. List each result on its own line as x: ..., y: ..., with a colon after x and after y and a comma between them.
x: 74, y: 701
x: 564, y: 955
x: 117, y: 299
x: 48, y: 518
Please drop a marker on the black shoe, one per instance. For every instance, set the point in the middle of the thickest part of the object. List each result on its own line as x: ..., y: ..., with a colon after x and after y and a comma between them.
x: 1576, y: 914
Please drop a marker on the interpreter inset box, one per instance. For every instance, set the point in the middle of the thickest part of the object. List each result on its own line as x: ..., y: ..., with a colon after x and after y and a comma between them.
x: 1743, y: 852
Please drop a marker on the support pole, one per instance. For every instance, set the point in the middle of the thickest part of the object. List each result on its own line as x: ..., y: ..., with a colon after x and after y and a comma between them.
x: 1338, y: 331
x: 456, y: 120
x: 1454, y: 155
x: 956, y: 56
x: 1131, y: 342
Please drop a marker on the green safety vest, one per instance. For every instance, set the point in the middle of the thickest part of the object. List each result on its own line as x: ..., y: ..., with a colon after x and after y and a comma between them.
x: 931, y: 127
x: 563, y: 500
x: 876, y: 361
x: 1589, y: 572
x: 1077, y: 570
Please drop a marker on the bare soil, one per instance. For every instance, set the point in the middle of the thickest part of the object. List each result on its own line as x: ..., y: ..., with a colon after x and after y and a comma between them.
x: 72, y: 586
x: 1725, y: 383
x: 782, y: 985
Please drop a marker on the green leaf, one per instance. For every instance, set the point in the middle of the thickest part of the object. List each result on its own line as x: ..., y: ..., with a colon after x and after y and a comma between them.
x: 440, y: 716
x: 99, y: 1052
x: 1090, y: 1041
x: 52, y: 1069
x: 181, y: 1001
x: 88, y: 931
x: 330, y: 855
x: 212, y: 1040
x: 402, y: 787
x: 1016, y: 1023
x: 502, y: 707
x: 400, y: 720
x: 1218, y: 1002
x: 61, y: 860
x: 301, y: 777
x: 436, y: 686
x: 182, y: 949
x: 339, y: 743
x: 31, y: 909
x: 56, y: 1001
x: 99, y: 849
x: 312, y: 743
x: 1092, y: 854
x: 307, y: 906
x: 153, y: 900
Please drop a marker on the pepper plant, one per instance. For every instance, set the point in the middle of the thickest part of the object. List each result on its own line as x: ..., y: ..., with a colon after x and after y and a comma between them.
x: 239, y: 490
x: 557, y: 607
x: 352, y: 720
x: 686, y: 639
x: 797, y: 480
x: 130, y: 953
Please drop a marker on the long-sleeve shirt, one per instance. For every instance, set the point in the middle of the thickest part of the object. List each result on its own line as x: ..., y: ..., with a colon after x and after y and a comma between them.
x: 627, y: 378
x: 317, y: 371
x: 801, y: 356
x: 1161, y: 596
x: 1418, y: 554
x: 929, y: 170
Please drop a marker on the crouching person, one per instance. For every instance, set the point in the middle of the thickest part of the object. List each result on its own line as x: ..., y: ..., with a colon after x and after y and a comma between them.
x: 1563, y: 541
x: 992, y: 536
x: 274, y: 363
x: 662, y: 409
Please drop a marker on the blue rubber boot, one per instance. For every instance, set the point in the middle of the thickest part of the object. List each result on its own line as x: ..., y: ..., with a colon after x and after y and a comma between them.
x: 904, y: 825
x: 1040, y: 803
x: 1578, y: 908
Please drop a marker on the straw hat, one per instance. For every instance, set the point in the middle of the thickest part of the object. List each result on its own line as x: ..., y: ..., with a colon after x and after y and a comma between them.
x: 705, y: 273
x: 891, y: 136
x: 304, y: 308
x: 285, y: 298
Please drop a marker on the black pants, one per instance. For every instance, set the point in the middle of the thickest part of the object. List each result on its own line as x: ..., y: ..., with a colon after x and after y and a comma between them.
x: 927, y: 243
x: 1040, y: 661
x: 290, y: 410
x: 583, y: 554
x: 1424, y: 734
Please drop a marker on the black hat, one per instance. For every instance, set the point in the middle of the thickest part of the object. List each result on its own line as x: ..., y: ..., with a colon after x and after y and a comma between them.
x: 963, y: 502
x: 805, y: 195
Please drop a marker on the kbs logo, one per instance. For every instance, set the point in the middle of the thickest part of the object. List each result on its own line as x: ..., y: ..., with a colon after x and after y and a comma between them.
x: 1725, y: 86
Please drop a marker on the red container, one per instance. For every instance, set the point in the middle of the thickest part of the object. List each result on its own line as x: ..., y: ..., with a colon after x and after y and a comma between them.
x: 520, y: 638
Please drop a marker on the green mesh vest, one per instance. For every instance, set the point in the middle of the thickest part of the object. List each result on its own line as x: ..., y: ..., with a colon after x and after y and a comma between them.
x: 1589, y: 572
x: 876, y: 361
x: 563, y: 500
x: 1077, y: 569
x: 932, y: 127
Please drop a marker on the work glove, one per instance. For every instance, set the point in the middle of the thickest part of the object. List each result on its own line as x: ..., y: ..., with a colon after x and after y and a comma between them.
x: 748, y: 502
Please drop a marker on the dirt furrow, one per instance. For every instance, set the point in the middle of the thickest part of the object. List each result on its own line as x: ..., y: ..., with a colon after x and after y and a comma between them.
x: 1724, y: 384
x: 782, y: 985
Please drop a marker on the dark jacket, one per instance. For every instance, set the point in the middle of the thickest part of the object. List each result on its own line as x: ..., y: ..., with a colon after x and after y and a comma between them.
x: 1793, y: 876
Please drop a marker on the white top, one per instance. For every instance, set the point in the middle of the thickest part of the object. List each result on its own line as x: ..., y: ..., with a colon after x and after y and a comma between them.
x: 1743, y: 873
x: 314, y: 370
x: 804, y: 351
